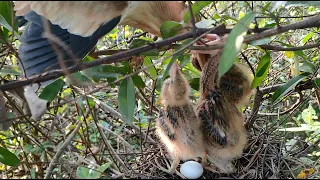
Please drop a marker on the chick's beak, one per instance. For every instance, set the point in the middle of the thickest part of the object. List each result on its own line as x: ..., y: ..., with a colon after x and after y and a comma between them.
x: 174, y: 70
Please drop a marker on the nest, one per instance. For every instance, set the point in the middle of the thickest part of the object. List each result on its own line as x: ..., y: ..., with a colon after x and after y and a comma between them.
x: 264, y: 157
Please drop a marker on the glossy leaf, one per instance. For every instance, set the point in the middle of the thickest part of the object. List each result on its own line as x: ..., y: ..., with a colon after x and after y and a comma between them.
x: 260, y: 41
x: 152, y: 71
x: 233, y: 43
x: 50, y: 91
x: 127, y: 100
x: 78, y: 79
x: 8, y: 158
x: 262, y: 70
x: 197, y: 6
x: 169, y: 29
x: 6, y: 11
x: 6, y: 18
x: 307, y: 37
x: 307, y: 67
x: 138, y: 81
x: 5, y: 24
x: 205, y: 23
x: 288, y: 86
x: 89, y: 173
x: 317, y: 83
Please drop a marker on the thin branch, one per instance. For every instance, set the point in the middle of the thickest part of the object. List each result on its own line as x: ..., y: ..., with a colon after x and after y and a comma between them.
x: 280, y: 48
x: 105, y: 139
x: 294, y: 106
x: 60, y: 151
x: 194, y: 28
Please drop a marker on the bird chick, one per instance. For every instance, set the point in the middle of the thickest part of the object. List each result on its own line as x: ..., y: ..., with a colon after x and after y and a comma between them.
x: 235, y: 84
x: 222, y: 122
x: 178, y: 127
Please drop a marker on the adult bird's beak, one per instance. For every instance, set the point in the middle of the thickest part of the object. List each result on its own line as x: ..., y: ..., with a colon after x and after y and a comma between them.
x: 209, y: 39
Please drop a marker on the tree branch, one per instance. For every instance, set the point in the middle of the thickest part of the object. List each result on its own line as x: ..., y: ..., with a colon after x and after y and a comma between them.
x: 119, y: 57
x: 280, y: 48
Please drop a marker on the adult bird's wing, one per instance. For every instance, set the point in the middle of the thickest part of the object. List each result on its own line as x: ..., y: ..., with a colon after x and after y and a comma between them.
x: 37, y: 54
x: 74, y: 23
x: 78, y: 17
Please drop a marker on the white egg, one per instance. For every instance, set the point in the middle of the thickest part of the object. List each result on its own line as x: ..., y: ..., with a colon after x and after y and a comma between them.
x: 191, y: 169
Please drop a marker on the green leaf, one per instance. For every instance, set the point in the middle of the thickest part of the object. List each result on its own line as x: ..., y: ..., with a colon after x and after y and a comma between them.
x: 301, y: 54
x: 9, y: 70
x: 142, y: 42
x: 139, y: 42
x: 317, y: 83
x: 33, y: 173
x: 194, y: 83
x: 205, y: 23
x: 90, y: 173
x: 276, y: 4
x: 6, y: 19
x: 233, y: 43
x: 83, y: 172
x: 78, y: 79
x: 51, y: 90
x: 6, y: 10
x: 5, y: 24
x: 166, y: 71
x: 302, y: 3
x: 308, y: 115
x: 288, y: 86
x: 8, y: 158
x: 91, y: 102
x: 307, y: 37
x: 100, y: 170
x: 307, y: 67
x: 81, y: 104
x: 104, y: 71
x: 197, y: 6
x: 260, y: 41
x: 138, y: 81
x: 169, y: 29
x: 262, y: 70
x: 151, y: 70
x: 127, y: 100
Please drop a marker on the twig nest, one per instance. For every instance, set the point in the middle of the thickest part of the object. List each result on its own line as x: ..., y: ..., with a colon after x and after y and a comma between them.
x: 191, y: 169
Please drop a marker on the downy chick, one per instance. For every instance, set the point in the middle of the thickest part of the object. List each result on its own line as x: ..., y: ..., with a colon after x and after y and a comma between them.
x: 178, y: 127
x: 235, y: 84
x: 222, y: 122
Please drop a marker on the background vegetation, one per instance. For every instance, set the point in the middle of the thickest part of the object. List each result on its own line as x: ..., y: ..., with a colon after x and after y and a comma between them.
x: 107, y: 130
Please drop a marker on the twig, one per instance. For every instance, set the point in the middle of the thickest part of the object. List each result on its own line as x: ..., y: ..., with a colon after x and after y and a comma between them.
x: 194, y: 28
x: 280, y: 48
x: 294, y: 106
x: 124, y: 141
x: 112, y: 150
x: 60, y: 151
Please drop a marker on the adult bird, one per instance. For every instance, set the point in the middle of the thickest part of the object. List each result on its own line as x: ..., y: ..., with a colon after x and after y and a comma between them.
x: 80, y: 25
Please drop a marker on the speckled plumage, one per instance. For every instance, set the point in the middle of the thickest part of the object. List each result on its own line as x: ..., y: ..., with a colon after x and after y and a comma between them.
x: 178, y: 127
x: 222, y: 122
